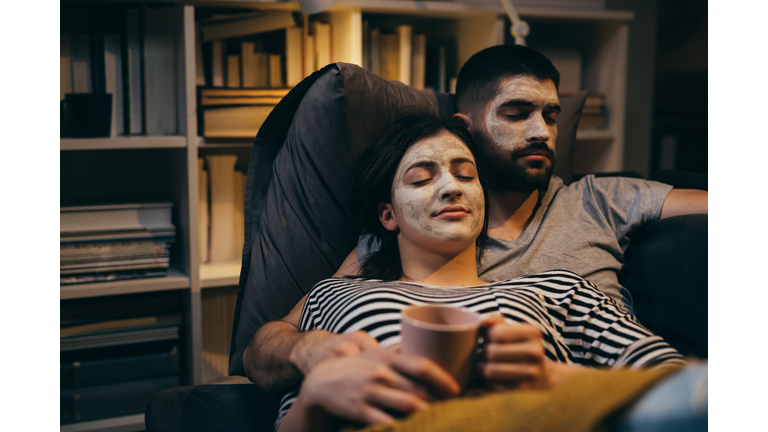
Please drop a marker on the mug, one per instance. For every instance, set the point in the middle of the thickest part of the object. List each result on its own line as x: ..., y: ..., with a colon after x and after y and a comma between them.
x: 444, y: 334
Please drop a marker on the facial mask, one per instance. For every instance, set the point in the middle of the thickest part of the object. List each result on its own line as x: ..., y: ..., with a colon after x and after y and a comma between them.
x: 418, y: 205
x: 511, y: 135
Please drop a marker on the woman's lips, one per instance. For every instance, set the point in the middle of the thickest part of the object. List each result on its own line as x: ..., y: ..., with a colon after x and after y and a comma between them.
x: 452, y: 212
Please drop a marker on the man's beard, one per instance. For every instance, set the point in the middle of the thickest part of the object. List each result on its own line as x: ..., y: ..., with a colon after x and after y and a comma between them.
x: 507, y: 172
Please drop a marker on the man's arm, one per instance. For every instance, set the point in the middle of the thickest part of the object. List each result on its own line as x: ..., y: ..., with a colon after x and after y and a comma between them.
x: 683, y: 202
x: 279, y: 355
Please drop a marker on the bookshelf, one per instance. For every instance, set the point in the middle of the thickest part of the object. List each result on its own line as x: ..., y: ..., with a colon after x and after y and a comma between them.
x: 147, y: 167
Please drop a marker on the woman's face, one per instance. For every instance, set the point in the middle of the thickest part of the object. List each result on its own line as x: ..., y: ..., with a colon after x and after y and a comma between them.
x: 436, y: 192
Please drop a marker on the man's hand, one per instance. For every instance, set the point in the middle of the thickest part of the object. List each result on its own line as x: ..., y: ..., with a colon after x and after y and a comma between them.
x: 365, y: 387
x: 317, y: 346
x: 513, y: 356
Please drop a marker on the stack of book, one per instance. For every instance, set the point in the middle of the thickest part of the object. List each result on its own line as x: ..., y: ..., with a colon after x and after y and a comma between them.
x: 116, y: 354
x: 115, y: 242
x: 136, y: 64
x: 593, y: 116
x: 222, y: 212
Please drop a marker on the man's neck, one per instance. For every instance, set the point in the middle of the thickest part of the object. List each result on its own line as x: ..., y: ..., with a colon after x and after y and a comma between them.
x: 439, y: 269
x: 511, y: 212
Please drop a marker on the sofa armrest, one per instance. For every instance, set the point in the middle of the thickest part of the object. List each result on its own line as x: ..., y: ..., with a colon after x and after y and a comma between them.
x: 665, y: 270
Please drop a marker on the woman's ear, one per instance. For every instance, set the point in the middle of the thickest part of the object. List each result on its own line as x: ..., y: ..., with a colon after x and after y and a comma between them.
x: 387, y: 216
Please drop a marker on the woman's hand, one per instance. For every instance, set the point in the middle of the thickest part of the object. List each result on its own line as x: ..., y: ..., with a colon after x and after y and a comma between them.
x: 513, y: 356
x: 367, y: 387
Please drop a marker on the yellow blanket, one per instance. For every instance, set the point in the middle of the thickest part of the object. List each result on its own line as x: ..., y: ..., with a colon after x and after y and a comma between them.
x: 580, y: 404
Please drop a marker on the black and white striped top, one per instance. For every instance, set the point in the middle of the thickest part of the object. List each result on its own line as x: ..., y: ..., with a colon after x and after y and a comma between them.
x: 579, y: 324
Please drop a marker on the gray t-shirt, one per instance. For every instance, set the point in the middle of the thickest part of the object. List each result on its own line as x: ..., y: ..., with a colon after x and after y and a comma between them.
x: 584, y: 228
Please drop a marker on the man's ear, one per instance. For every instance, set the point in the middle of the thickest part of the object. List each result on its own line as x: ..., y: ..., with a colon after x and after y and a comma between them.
x: 387, y: 216
x: 464, y: 119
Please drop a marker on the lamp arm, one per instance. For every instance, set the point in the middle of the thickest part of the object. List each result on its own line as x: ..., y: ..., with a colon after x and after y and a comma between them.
x: 520, y: 28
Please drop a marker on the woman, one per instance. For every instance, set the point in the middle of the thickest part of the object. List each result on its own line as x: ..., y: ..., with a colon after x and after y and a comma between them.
x: 419, y: 188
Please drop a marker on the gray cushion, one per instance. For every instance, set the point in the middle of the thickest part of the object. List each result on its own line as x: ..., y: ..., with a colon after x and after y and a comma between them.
x: 299, y: 227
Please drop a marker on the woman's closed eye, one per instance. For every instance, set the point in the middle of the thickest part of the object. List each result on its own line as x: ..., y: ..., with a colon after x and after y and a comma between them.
x: 421, y: 182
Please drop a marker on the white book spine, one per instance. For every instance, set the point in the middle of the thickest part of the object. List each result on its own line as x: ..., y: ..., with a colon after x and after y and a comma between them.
x: 405, y: 33
x: 81, y: 63
x: 322, y: 43
x: 221, y: 170
x: 113, y: 68
x: 217, y: 68
x: 419, y: 61
x: 65, y: 62
x: 275, y: 70
x: 202, y: 210
x: 294, y: 72
x: 310, y: 57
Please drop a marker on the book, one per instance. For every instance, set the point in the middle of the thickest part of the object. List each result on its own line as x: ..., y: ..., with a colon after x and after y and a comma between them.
x: 405, y: 52
x: 249, y: 62
x: 310, y: 56
x: 103, y: 371
x: 113, y: 76
x: 217, y: 97
x: 222, y: 176
x: 119, y: 325
x: 65, y: 65
x: 246, y: 24
x: 160, y: 71
x: 389, y: 56
x: 322, y: 32
x: 276, y: 70
x: 238, y: 221
x: 233, y: 71
x: 111, y: 277
x: 294, y: 56
x: 81, y: 63
x: 199, y: 61
x: 133, y: 73
x: 366, y: 45
x: 592, y: 122
x: 115, y: 217
x: 202, y: 210
x: 217, y: 64
x: 375, y: 52
x: 153, y: 334
x: 107, y: 308
x: 113, y: 236
x: 234, y: 122
x: 419, y: 61
x: 93, y: 403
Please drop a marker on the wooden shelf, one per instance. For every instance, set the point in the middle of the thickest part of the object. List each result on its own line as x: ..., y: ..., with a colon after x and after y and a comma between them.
x: 174, y: 280
x: 123, y: 143
x: 217, y: 144
x: 129, y: 423
x: 214, y: 275
x: 594, y: 134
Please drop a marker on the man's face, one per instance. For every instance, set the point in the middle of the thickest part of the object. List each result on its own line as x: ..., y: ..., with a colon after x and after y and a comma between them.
x: 517, y: 133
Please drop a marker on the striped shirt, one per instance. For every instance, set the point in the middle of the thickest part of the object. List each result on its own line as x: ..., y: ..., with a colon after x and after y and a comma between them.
x: 579, y: 324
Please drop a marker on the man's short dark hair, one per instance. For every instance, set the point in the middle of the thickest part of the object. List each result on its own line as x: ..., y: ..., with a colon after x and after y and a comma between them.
x: 479, y: 78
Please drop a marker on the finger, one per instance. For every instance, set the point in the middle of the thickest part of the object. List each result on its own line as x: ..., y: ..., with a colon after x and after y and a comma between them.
x: 531, y: 351
x: 395, y: 400
x: 509, y: 372
x: 364, y: 340
x: 346, y: 348
x: 372, y: 415
x: 504, y: 332
x: 492, y: 319
x: 397, y: 381
x: 428, y: 371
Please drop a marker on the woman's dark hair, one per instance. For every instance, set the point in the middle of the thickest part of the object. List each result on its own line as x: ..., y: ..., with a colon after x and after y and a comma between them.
x: 376, y: 169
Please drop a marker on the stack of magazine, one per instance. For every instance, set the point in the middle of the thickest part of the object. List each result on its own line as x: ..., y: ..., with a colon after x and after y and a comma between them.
x: 115, y: 242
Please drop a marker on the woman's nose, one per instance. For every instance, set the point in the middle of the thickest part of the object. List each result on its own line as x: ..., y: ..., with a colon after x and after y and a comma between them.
x: 450, y: 188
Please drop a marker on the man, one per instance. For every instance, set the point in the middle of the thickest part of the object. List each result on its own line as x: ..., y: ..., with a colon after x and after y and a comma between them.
x: 507, y: 97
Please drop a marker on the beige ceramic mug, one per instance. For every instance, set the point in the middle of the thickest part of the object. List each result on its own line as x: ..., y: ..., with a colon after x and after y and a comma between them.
x: 444, y: 334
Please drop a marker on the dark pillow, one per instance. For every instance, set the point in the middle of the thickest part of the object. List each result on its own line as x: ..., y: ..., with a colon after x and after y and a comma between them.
x: 298, y: 223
